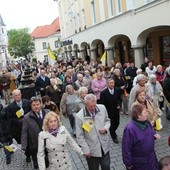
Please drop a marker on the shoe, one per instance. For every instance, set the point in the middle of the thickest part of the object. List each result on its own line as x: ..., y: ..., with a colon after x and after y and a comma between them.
x: 115, y: 141
x: 28, y: 159
x: 125, y: 113
x: 8, y: 161
x: 35, y: 166
x: 162, y: 108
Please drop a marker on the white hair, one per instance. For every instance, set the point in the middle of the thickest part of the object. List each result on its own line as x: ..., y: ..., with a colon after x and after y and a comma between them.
x: 151, y: 77
x: 90, y: 98
x: 83, y: 89
x: 140, y: 77
x: 139, y: 70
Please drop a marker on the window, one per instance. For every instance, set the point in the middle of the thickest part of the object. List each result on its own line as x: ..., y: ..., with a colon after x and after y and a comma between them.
x: 44, y: 45
x: 129, y: 4
x: 46, y: 58
x: 148, y: 1
x: 118, y: 6
x: 93, y: 12
x: 110, y: 7
x: 165, y: 50
x: 83, y: 18
x: 102, y: 12
x: 56, y: 44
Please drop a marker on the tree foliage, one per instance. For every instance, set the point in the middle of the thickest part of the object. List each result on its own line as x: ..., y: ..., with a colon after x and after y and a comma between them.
x: 20, y: 42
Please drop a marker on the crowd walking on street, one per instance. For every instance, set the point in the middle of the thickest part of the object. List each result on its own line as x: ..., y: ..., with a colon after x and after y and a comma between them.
x: 97, y: 101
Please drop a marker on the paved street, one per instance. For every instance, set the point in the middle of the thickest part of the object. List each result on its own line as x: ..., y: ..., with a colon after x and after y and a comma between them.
x: 79, y: 163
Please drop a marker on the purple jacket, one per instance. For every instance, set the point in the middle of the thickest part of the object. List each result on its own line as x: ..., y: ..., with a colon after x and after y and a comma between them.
x: 138, y: 147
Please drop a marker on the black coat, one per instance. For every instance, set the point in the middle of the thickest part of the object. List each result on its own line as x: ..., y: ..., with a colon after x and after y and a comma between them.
x: 166, y: 87
x: 111, y: 102
x: 16, y: 123
x: 40, y: 83
x: 5, y: 128
x: 32, y: 126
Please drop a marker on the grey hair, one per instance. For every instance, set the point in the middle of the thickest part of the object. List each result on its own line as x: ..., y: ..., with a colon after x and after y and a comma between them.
x: 167, y: 71
x: 139, y: 70
x: 140, y: 77
x: 151, y: 77
x: 90, y: 98
x: 15, y: 92
x: 83, y: 89
x: 68, y: 87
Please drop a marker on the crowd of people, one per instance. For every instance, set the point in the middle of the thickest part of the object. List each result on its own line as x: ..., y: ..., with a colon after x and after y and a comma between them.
x: 91, y: 96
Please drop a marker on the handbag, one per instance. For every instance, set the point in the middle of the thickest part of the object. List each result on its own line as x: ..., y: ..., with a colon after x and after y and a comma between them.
x: 46, y: 155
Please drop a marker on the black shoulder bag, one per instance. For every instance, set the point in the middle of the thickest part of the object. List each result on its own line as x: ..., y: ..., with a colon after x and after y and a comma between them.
x: 46, y: 155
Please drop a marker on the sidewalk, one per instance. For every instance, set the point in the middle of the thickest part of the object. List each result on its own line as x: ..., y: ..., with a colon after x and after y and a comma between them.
x: 79, y: 163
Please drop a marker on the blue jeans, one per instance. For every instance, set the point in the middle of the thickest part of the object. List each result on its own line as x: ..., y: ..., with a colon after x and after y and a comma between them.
x: 104, y: 161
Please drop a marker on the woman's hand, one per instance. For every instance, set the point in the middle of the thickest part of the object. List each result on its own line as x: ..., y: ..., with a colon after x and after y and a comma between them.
x: 157, y: 136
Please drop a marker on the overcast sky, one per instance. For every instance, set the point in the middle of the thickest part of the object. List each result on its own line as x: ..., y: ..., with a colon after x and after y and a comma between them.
x: 28, y: 13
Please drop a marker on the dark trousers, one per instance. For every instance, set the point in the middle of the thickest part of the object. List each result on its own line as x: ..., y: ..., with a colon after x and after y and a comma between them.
x: 72, y: 123
x: 114, y: 125
x: 33, y: 153
x: 104, y: 161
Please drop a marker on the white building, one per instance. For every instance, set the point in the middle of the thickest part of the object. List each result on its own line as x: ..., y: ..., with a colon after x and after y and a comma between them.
x: 3, y: 44
x: 125, y: 29
x: 45, y: 36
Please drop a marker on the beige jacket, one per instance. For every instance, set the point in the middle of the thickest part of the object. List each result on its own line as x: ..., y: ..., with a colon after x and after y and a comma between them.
x: 58, y: 153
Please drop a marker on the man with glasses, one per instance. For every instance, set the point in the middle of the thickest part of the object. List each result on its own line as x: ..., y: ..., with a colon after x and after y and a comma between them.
x: 32, y: 126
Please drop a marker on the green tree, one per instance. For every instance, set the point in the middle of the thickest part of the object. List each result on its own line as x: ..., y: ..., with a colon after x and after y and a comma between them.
x: 20, y: 42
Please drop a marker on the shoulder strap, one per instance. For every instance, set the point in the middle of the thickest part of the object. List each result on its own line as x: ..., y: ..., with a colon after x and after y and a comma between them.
x: 45, y: 143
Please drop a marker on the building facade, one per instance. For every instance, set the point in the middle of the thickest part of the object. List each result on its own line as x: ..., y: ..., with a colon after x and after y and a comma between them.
x: 45, y: 37
x: 126, y: 29
x: 3, y: 44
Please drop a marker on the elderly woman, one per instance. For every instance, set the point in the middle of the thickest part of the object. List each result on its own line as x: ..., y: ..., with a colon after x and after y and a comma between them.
x: 67, y: 106
x: 154, y: 91
x: 57, y: 138
x: 138, y: 141
x: 83, y: 91
x: 98, y: 85
x: 141, y: 84
x: 141, y: 98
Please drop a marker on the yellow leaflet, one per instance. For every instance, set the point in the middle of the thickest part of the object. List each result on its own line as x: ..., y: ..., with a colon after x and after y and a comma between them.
x: 19, y: 114
x: 9, y: 148
x: 87, y: 126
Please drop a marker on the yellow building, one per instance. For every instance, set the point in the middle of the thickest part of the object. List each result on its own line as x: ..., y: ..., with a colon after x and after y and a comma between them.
x: 126, y: 29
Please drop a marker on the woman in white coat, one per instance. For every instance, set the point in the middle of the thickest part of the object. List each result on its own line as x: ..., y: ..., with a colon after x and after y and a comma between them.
x: 57, y: 137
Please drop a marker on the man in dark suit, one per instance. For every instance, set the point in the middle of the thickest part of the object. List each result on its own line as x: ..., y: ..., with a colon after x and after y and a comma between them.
x: 32, y: 126
x: 15, y: 113
x: 42, y: 82
x: 110, y: 97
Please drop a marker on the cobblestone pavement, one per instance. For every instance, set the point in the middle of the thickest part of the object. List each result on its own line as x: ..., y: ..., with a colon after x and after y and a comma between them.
x: 79, y: 163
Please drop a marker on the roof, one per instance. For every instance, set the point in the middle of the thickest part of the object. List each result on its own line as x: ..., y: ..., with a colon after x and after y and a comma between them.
x: 46, y: 30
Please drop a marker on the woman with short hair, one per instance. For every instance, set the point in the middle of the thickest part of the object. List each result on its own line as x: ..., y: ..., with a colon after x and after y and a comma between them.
x: 138, y: 141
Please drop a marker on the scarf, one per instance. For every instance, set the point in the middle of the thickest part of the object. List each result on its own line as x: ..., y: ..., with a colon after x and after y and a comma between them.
x: 53, y: 132
x: 141, y: 124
